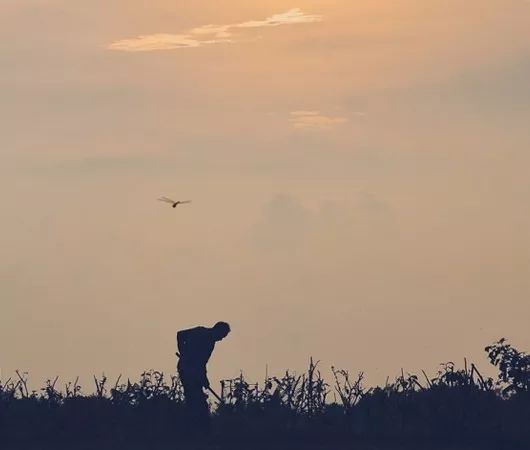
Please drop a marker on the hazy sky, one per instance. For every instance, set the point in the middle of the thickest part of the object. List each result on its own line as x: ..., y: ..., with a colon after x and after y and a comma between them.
x: 358, y: 171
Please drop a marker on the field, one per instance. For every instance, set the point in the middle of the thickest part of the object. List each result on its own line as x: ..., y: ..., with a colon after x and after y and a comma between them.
x: 456, y: 409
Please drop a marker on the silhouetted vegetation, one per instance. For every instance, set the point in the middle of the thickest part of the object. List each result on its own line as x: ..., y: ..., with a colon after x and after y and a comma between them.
x: 457, y: 406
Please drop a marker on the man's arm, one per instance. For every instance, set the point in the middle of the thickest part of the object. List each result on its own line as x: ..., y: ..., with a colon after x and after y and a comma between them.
x: 205, y: 381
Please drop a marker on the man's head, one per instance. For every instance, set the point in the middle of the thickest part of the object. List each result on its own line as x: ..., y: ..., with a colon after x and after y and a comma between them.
x: 220, y: 330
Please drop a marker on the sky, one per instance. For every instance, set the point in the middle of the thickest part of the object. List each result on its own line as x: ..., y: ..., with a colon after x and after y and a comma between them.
x: 358, y: 171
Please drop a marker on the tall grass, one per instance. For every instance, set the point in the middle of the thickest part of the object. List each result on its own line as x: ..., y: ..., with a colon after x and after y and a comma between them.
x: 455, y: 405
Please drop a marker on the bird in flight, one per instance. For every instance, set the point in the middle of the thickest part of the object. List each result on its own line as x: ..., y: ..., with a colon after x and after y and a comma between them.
x: 173, y: 202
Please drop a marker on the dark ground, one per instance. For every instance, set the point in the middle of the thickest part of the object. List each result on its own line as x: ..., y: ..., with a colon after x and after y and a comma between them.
x: 292, y: 446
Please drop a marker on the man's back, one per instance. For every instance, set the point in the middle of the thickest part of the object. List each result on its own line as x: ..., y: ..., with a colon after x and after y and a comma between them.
x: 195, y: 346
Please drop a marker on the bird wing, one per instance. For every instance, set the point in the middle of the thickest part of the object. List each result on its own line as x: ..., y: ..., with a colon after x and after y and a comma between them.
x: 166, y: 200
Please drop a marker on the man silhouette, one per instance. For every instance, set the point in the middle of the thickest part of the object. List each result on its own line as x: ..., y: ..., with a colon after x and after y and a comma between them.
x: 195, y: 347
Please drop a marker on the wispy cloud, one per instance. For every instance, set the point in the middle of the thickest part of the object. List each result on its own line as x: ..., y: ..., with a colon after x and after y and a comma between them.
x: 290, y: 17
x: 161, y: 41
x: 209, y: 34
x: 219, y: 31
x: 315, y: 120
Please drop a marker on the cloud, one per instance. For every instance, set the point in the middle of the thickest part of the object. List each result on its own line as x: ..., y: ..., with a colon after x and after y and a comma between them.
x: 208, y: 34
x: 364, y: 221
x: 315, y: 120
x: 162, y: 41
x: 219, y: 31
x: 290, y: 17
x: 154, y: 42
x: 283, y: 225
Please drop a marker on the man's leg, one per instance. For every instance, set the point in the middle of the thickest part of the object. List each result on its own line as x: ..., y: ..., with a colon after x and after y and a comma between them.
x: 201, y: 410
x: 196, y: 402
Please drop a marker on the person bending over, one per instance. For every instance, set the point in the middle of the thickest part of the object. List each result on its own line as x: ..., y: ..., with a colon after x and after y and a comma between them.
x: 195, y: 346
